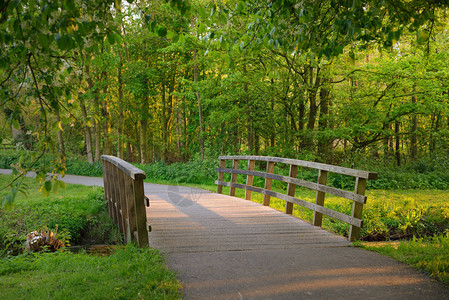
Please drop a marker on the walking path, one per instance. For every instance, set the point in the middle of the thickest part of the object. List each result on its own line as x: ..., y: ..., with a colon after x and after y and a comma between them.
x: 228, y: 248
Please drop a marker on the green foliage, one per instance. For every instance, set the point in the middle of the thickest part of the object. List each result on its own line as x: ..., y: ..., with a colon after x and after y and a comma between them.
x: 76, y: 166
x: 129, y: 273
x: 196, y: 171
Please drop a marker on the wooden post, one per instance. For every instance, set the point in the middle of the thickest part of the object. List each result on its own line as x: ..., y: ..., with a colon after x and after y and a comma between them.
x: 235, y: 166
x: 112, y: 199
x: 268, y: 183
x: 106, y: 187
x: 357, y: 208
x: 118, y: 201
x: 141, y: 215
x: 319, y: 199
x: 124, y: 204
x: 249, y: 179
x: 291, y: 189
x: 129, y: 191
x: 221, y: 176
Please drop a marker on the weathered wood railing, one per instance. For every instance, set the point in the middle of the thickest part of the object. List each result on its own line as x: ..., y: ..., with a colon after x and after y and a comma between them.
x: 358, y: 197
x: 123, y: 189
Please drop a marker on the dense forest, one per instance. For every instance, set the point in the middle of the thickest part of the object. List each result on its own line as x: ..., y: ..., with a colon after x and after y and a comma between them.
x: 171, y: 81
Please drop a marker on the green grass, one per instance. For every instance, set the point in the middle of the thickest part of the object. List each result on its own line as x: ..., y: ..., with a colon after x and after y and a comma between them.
x: 129, y: 273
x: 79, y: 213
x: 429, y: 255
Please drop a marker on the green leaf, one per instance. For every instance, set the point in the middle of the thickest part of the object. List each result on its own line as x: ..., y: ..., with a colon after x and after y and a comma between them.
x: 202, y: 12
x: 98, y: 61
x: 70, y: 5
x: 201, y: 28
x: 111, y: 38
x: 65, y: 42
x: 42, y: 40
x: 153, y: 26
x: 15, y: 124
x: 422, y: 36
x: 162, y: 31
x: 170, y: 34
x: 46, y: 188
x: 223, y: 19
x: 231, y: 64
x: 240, y: 7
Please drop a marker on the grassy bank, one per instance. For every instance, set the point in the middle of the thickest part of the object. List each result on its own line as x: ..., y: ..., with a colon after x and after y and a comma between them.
x: 429, y: 255
x: 129, y: 273
x: 81, y: 217
x: 79, y: 213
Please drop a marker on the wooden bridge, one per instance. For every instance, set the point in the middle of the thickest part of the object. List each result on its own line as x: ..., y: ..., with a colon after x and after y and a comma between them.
x: 229, y: 248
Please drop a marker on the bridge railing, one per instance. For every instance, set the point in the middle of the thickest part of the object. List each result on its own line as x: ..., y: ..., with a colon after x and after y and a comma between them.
x: 123, y: 189
x: 358, y: 196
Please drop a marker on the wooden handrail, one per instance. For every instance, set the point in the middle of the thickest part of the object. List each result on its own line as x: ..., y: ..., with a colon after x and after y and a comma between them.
x: 358, y: 196
x: 123, y: 189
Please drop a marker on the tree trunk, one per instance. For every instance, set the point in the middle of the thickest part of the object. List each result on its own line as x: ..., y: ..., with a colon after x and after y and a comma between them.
x: 107, y: 147
x: 87, y: 132
x: 60, y: 137
x: 97, y: 108
x: 143, y: 141
x: 323, y: 123
x: 198, y: 96
x: 397, y: 152
x: 386, y: 141
x: 273, y: 127
x: 164, y: 119
x: 313, y: 109
x: 414, y: 139
x: 249, y: 130
x: 436, y: 128
x: 120, y: 114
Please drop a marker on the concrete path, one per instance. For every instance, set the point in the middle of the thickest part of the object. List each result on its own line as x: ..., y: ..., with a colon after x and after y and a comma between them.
x: 228, y: 248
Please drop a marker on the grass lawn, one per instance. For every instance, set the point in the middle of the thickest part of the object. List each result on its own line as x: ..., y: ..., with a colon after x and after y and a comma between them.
x: 429, y: 255
x: 129, y: 273
x: 80, y: 214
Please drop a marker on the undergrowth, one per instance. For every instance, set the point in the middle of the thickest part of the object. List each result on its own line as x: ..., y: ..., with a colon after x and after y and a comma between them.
x: 79, y: 214
x: 420, y: 174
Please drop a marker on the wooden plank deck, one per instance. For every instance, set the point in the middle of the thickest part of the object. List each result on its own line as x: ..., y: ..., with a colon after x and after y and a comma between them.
x: 228, y: 248
x: 213, y: 222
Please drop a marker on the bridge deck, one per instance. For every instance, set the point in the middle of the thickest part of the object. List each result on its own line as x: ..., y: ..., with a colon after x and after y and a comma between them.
x: 215, y: 222
x: 228, y: 248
